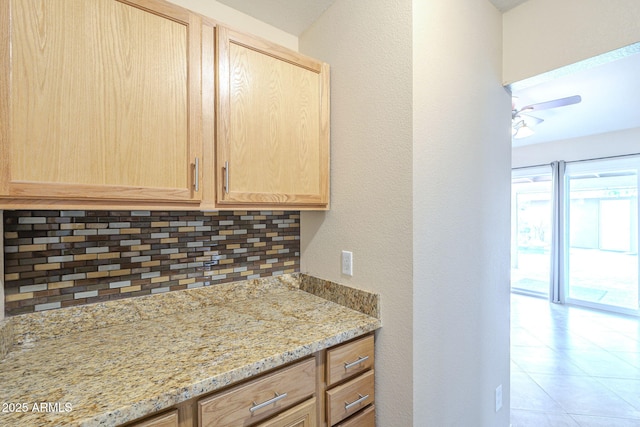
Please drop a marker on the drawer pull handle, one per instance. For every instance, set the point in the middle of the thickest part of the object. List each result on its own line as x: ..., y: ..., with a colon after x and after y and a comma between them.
x: 357, y: 362
x: 360, y: 399
x: 257, y: 406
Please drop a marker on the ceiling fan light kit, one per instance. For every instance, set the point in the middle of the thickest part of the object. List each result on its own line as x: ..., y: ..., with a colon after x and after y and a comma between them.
x: 521, y: 130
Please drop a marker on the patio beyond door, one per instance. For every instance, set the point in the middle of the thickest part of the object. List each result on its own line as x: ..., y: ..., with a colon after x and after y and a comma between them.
x: 602, y: 243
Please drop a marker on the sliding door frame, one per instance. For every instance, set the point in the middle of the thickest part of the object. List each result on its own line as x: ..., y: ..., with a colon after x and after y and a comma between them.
x: 598, y: 167
x: 528, y: 173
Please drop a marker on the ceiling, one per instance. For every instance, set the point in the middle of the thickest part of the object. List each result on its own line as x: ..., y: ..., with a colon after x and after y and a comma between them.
x: 610, y: 101
x: 505, y: 5
x: 609, y: 87
x: 291, y: 16
x: 295, y: 16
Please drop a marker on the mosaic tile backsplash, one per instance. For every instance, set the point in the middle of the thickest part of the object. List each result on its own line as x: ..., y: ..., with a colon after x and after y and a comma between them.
x: 57, y: 259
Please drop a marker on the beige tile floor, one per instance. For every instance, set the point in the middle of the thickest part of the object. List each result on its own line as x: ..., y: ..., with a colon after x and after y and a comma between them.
x: 572, y: 366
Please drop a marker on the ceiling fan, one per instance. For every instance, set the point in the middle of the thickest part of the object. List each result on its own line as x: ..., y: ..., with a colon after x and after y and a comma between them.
x: 521, y: 120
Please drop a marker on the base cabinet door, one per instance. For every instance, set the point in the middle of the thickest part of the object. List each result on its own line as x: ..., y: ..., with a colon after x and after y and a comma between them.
x: 99, y: 101
x: 303, y: 415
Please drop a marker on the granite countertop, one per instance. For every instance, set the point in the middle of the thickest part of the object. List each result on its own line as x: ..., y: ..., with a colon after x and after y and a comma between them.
x: 109, y: 363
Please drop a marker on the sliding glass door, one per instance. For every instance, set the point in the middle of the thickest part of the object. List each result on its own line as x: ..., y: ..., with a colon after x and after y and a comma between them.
x: 574, y: 233
x: 531, y: 230
x: 602, y: 234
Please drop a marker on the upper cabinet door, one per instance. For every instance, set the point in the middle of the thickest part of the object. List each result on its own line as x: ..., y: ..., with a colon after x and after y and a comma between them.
x: 99, y: 100
x: 272, y: 125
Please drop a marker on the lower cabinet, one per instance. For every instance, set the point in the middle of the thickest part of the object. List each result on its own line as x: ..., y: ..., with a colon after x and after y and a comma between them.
x: 350, y: 384
x: 333, y: 388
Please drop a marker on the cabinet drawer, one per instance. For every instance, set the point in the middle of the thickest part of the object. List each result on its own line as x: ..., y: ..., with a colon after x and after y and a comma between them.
x: 258, y: 399
x: 350, y: 397
x: 302, y: 415
x: 169, y: 419
x: 366, y: 418
x: 349, y: 359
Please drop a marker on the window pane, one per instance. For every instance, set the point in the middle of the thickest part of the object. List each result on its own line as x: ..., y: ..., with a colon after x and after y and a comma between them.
x: 602, y: 237
x: 531, y: 231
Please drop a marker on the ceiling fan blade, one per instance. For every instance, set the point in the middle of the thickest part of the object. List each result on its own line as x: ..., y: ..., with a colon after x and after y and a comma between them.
x: 553, y: 104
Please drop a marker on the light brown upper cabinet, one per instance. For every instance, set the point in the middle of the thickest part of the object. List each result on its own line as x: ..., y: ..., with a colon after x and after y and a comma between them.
x: 99, y: 100
x: 272, y: 146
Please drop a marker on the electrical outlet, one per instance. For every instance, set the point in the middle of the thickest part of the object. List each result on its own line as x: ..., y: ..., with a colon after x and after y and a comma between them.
x: 498, y: 397
x: 347, y: 263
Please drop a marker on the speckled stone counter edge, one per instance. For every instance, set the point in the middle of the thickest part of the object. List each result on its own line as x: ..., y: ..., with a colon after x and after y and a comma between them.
x: 355, y: 299
x: 6, y: 336
x: 26, y: 328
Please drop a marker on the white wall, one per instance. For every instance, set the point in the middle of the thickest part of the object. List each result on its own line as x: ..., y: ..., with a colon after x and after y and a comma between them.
x: 461, y: 215
x: 543, y: 35
x: 420, y: 193
x: 368, y: 45
x: 588, y: 147
x: 239, y: 21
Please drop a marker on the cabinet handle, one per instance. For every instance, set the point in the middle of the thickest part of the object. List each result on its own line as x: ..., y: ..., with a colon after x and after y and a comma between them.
x: 271, y: 401
x: 226, y: 177
x: 357, y: 362
x: 196, y: 172
x: 360, y: 399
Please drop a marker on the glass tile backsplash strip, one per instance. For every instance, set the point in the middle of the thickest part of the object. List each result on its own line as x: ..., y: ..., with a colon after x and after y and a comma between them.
x: 57, y: 259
